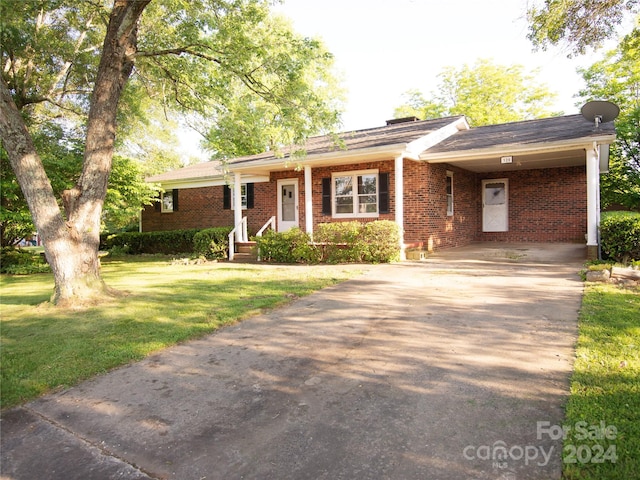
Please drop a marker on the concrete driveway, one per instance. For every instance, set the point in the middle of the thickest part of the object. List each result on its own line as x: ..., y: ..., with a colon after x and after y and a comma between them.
x: 441, y: 369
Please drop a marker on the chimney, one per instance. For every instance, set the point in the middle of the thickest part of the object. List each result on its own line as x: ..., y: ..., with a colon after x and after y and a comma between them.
x: 395, y: 121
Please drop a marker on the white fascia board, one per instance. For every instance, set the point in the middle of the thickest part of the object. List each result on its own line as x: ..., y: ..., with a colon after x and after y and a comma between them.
x: 415, y: 148
x: 208, y: 182
x: 336, y: 157
x: 516, y: 149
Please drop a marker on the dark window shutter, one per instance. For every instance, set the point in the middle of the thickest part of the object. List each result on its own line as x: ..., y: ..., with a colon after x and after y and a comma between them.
x: 226, y: 197
x: 158, y: 205
x: 175, y: 199
x: 249, y: 195
x: 383, y: 192
x: 326, y: 196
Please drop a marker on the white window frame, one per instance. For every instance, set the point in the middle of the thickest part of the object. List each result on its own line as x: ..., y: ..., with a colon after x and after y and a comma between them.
x: 354, y: 194
x: 243, y: 196
x: 450, y: 196
x: 164, y: 207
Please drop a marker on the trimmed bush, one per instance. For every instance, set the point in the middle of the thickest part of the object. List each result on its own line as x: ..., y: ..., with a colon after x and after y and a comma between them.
x: 22, y: 262
x: 372, y: 242
x: 292, y: 246
x: 168, y: 242
x: 212, y: 243
x: 620, y: 236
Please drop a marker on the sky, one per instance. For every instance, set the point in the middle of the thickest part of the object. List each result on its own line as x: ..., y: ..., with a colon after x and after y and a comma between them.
x: 383, y: 48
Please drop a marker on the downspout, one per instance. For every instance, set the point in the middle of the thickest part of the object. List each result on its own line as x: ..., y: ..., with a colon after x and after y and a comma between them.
x: 399, y: 194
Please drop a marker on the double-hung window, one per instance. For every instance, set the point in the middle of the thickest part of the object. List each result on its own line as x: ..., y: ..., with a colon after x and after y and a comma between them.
x: 167, y: 201
x: 355, y: 194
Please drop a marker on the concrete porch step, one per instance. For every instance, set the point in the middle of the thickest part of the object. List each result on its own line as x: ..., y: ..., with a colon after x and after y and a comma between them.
x: 245, y: 252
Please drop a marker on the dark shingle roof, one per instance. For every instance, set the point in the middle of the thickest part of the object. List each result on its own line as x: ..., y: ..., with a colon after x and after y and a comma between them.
x: 544, y: 130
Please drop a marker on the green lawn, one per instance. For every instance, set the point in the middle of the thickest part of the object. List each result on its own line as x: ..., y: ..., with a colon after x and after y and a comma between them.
x: 45, y: 348
x: 605, y: 388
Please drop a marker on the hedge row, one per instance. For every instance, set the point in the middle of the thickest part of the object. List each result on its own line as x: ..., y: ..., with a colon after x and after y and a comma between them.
x: 170, y: 242
x: 340, y: 242
x: 620, y: 236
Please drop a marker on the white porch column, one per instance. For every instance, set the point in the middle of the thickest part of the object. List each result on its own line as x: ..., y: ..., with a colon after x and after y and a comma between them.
x: 399, y: 194
x: 237, y: 206
x: 308, y: 201
x: 593, y: 201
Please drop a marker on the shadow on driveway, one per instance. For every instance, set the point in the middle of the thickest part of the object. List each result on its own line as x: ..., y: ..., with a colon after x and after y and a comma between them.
x: 433, y: 370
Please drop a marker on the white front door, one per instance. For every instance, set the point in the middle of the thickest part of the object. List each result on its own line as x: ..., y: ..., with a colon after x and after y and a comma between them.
x: 287, y: 204
x: 495, y: 205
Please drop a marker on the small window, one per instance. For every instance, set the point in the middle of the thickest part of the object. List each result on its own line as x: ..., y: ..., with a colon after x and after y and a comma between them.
x: 167, y: 201
x: 243, y: 197
x: 449, y: 194
x: 355, y: 194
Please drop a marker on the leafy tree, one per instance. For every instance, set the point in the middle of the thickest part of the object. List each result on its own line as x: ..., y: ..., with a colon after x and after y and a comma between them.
x: 578, y: 24
x: 191, y: 54
x: 485, y: 92
x: 617, y: 78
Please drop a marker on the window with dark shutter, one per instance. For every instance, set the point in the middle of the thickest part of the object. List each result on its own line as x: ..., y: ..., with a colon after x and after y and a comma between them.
x: 326, y: 196
x: 383, y: 193
x: 175, y: 199
x: 226, y: 197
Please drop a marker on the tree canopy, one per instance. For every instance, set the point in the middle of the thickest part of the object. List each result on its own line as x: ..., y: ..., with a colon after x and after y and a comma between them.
x: 617, y: 78
x: 577, y: 24
x: 485, y: 92
x: 70, y: 63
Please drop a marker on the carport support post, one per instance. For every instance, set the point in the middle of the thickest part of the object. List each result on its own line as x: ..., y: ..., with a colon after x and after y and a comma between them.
x: 399, y: 187
x: 237, y: 206
x: 593, y: 194
x: 308, y: 201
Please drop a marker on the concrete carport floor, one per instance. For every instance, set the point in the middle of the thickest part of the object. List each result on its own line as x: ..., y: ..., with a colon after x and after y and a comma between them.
x: 451, y: 368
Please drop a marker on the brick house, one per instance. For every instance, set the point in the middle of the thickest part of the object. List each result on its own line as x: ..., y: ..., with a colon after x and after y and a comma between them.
x: 444, y: 183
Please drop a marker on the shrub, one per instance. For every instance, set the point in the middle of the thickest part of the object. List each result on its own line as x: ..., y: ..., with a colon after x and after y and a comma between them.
x: 22, y: 262
x: 212, y: 243
x: 292, y: 246
x: 374, y: 242
x: 168, y: 242
x: 620, y: 236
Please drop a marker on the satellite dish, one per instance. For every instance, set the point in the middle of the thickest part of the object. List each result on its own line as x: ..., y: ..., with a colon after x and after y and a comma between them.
x: 600, y: 111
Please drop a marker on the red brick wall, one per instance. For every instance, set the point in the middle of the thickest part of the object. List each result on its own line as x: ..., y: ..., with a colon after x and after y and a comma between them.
x: 548, y: 205
x: 203, y: 208
x: 544, y: 205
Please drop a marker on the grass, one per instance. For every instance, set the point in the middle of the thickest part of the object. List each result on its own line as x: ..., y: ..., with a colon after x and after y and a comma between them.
x: 605, y: 388
x: 46, y: 348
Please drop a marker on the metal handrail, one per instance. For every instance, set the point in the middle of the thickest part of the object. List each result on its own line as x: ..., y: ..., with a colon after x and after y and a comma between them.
x: 243, y: 237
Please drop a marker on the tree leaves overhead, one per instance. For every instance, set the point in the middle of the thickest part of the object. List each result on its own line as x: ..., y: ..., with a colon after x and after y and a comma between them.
x: 578, y: 24
x: 485, y: 93
x: 617, y: 78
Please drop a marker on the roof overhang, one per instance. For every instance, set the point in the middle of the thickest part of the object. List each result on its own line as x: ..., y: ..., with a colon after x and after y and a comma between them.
x: 212, y: 181
x: 523, y: 156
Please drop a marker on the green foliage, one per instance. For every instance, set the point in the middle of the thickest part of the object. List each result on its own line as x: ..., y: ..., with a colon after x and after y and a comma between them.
x: 292, y: 246
x: 485, y: 93
x: 373, y: 242
x: 336, y: 242
x: 22, y: 262
x: 620, y: 236
x: 604, y: 383
x: 617, y: 78
x: 579, y: 24
x: 168, y: 242
x: 212, y: 243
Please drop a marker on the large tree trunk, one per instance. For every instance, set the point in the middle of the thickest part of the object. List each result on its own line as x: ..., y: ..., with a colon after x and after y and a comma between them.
x: 71, y: 244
